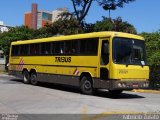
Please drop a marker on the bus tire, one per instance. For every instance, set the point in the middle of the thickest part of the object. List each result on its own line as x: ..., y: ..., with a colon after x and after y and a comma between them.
x: 86, y: 85
x: 34, y: 79
x: 26, y: 77
x: 115, y: 92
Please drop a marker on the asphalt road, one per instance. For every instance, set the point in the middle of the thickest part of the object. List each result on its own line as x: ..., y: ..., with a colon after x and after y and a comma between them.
x: 19, y: 98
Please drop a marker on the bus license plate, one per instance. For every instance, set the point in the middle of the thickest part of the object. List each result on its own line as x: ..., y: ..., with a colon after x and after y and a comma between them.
x: 135, y: 85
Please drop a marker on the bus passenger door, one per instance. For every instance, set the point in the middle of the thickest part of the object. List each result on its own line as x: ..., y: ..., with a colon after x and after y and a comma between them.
x: 104, y: 60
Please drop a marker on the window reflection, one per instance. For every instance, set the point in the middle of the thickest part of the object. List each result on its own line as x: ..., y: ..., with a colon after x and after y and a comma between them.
x: 129, y: 51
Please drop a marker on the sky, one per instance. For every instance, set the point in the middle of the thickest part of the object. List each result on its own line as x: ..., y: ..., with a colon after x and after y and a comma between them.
x: 143, y: 14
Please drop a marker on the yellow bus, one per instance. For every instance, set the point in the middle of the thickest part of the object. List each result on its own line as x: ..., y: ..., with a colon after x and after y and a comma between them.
x: 114, y: 61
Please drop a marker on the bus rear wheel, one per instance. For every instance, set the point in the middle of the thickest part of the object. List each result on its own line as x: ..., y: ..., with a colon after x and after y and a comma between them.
x: 86, y: 86
x: 34, y: 79
x: 26, y: 77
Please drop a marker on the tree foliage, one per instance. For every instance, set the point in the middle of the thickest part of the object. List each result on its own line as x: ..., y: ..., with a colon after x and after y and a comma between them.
x: 67, y: 27
x: 60, y: 27
x: 153, y: 56
x: 108, y: 24
x: 153, y: 47
x: 81, y: 7
x: 14, y: 34
x: 113, y: 4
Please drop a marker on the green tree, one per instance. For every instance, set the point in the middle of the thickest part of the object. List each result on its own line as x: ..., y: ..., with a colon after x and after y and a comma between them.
x: 88, y: 27
x: 60, y: 27
x: 104, y: 25
x: 108, y: 24
x: 153, y: 47
x: 14, y: 34
x: 113, y: 4
x: 67, y: 27
x: 81, y: 7
x: 153, y: 56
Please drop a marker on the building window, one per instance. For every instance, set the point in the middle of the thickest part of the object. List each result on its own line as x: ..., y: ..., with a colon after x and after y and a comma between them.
x: 46, y: 16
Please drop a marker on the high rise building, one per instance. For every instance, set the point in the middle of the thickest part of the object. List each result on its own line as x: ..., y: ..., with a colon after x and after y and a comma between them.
x: 34, y: 16
x: 39, y: 18
x: 27, y: 19
x: 44, y: 17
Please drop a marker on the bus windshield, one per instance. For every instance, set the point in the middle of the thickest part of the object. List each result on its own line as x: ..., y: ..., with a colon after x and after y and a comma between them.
x: 129, y: 51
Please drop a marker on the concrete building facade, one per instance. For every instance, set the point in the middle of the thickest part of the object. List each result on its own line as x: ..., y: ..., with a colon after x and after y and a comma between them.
x: 39, y: 18
x: 56, y: 13
x: 34, y: 16
x: 3, y: 28
x: 44, y: 17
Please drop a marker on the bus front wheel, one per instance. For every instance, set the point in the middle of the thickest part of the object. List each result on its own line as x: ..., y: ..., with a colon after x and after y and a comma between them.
x: 86, y: 86
x: 34, y: 79
x: 26, y: 77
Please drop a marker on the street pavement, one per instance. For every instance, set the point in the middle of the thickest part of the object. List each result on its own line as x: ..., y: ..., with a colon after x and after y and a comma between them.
x: 19, y: 98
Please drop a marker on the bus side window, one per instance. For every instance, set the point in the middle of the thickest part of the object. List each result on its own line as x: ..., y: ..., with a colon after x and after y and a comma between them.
x: 45, y: 48
x: 70, y: 47
x: 105, y: 52
x: 35, y: 49
x: 59, y: 47
x: 15, y: 50
x: 89, y: 46
x: 24, y: 50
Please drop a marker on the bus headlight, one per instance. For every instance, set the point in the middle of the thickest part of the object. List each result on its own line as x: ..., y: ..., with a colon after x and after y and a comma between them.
x: 122, y: 85
x: 119, y: 84
x: 146, y: 84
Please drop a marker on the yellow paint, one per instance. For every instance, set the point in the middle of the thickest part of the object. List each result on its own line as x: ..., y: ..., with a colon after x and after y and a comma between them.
x: 130, y: 72
x: 147, y: 91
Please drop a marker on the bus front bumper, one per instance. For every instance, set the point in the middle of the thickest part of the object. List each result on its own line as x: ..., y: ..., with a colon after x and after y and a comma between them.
x: 121, y: 84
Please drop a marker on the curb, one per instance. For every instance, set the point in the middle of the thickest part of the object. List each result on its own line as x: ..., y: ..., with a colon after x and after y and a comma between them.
x: 3, y: 72
x: 147, y: 91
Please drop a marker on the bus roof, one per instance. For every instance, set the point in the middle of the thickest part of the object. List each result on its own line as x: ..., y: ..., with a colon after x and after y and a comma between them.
x: 80, y: 36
